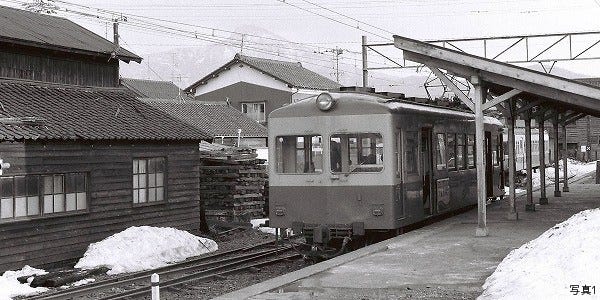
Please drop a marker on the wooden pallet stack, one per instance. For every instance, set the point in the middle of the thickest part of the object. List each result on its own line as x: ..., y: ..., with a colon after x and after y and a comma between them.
x: 232, y: 184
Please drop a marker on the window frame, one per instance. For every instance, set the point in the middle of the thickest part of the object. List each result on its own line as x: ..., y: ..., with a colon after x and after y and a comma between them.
x: 41, y: 211
x: 443, y: 164
x: 279, y: 153
x: 262, y: 115
x: 147, y: 181
x: 451, y: 145
x: 472, y: 147
x: 359, y: 150
x: 417, y: 153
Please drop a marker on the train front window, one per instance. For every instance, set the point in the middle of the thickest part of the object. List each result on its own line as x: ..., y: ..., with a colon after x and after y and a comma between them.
x: 356, y: 152
x: 299, y: 154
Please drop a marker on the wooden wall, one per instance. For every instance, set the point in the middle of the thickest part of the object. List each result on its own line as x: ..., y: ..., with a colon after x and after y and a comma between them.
x: 52, y: 240
x: 33, y: 64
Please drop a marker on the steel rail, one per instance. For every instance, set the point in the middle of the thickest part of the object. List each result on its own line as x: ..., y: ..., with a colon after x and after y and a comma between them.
x: 203, y: 275
x: 193, y: 263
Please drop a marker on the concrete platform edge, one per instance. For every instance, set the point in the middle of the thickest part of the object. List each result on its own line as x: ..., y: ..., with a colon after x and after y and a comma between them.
x: 276, y: 282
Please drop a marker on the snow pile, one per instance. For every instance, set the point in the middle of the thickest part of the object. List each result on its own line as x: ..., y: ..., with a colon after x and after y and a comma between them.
x: 11, y: 287
x: 545, y: 268
x: 143, y: 248
x: 575, y: 169
x: 257, y: 222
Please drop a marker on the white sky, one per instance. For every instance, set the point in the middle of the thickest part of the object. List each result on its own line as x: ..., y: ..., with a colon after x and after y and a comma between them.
x: 425, y: 19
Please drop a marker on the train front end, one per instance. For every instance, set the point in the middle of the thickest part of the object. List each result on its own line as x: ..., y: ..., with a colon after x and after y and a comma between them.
x: 327, y: 176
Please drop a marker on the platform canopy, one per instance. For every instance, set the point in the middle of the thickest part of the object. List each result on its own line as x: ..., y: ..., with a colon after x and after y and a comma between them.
x: 549, y: 90
x: 514, y: 91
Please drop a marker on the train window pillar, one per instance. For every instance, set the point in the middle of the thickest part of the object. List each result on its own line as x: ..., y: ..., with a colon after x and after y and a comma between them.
x: 460, y: 151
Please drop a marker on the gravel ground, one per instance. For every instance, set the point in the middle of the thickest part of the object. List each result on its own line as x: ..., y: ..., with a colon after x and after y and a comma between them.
x: 211, y: 289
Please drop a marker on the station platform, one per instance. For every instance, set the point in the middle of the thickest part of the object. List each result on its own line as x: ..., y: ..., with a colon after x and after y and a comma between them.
x: 441, y: 261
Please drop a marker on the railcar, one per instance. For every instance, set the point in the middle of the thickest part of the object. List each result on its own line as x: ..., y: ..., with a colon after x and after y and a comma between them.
x: 520, y: 162
x: 352, y: 164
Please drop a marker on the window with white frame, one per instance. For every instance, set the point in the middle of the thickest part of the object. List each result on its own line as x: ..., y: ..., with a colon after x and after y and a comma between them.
x: 254, y: 110
x: 149, y: 180
x: 42, y: 195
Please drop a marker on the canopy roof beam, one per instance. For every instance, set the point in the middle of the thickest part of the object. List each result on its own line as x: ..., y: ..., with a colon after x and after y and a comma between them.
x: 466, y: 100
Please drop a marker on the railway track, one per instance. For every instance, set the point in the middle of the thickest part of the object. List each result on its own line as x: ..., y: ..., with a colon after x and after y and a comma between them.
x: 196, y: 269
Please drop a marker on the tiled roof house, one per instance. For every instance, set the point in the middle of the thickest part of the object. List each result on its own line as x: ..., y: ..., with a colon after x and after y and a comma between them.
x: 218, y: 119
x: 257, y: 86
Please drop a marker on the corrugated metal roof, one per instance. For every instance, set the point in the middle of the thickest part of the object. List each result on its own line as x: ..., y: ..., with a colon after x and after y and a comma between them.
x: 291, y: 73
x: 155, y: 89
x: 84, y: 113
x: 29, y: 28
x: 216, y: 119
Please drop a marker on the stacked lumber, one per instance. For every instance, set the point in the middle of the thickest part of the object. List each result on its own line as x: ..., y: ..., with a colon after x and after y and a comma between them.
x: 232, y: 185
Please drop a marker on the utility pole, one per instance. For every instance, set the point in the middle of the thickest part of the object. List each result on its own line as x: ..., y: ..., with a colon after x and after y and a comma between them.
x: 336, y: 56
x: 242, y: 45
x: 364, y: 62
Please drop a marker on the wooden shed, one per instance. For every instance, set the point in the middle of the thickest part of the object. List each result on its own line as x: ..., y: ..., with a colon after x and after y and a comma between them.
x: 81, y: 157
x: 86, y: 163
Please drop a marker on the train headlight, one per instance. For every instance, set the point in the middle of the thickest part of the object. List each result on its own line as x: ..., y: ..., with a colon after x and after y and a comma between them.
x: 325, y: 102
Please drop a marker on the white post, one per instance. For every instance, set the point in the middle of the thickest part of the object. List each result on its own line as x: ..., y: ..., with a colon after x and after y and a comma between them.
x: 155, y: 288
x: 478, y: 98
x: 239, y: 132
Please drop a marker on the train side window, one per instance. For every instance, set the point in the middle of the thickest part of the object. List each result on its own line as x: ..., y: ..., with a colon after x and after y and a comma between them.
x: 441, y: 151
x: 410, y: 152
x: 451, y: 151
x: 356, y: 152
x: 460, y: 151
x: 471, y: 150
x: 299, y: 154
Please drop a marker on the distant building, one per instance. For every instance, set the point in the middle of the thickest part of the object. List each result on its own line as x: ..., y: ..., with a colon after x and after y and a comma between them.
x: 218, y: 119
x: 81, y: 157
x: 584, y: 132
x: 155, y: 89
x: 52, y: 49
x: 257, y: 86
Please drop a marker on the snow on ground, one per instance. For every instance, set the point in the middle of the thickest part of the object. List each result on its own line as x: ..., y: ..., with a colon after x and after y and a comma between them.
x: 257, y: 222
x: 575, y: 168
x: 143, y: 248
x: 546, y: 267
x: 11, y: 287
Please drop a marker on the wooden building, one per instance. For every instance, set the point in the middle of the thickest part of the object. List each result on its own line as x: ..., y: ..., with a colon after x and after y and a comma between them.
x: 82, y: 158
x: 257, y: 86
x: 583, y: 136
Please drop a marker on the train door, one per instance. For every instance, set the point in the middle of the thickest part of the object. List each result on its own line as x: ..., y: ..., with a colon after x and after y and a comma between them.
x: 489, y: 166
x: 427, y: 167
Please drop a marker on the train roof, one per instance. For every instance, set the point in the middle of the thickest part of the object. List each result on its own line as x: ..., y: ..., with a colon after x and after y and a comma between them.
x: 362, y: 103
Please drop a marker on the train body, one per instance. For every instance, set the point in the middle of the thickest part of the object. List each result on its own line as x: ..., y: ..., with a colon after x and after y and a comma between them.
x: 520, y: 162
x: 349, y: 163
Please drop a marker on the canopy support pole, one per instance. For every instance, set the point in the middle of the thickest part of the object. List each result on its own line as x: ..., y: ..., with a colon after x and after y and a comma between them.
x: 478, y: 98
x: 512, y: 213
x: 542, y: 160
x: 529, y: 206
x: 556, y: 159
x: 565, y: 155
